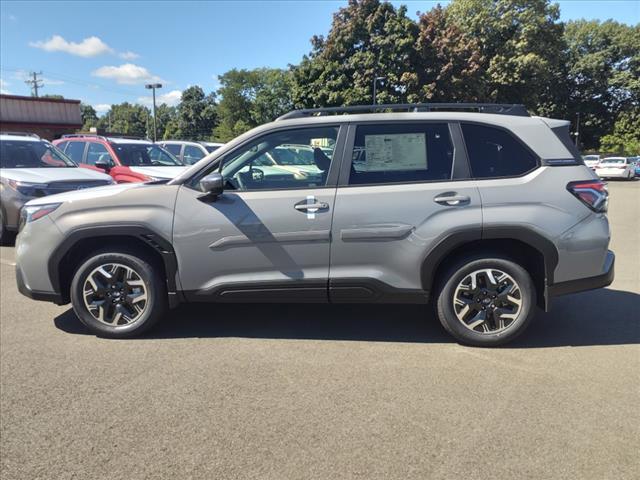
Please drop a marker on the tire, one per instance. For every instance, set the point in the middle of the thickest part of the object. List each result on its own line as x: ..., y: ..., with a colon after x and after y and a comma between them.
x: 508, y: 307
x: 132, y: 301
x: 6, y: 237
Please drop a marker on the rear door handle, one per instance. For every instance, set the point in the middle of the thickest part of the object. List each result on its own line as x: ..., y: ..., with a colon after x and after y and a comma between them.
x: 452, y: 200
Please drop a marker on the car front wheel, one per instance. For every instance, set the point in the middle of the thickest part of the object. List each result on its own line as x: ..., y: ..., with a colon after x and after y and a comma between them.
x: 118, y: 294
x: 486, y: 302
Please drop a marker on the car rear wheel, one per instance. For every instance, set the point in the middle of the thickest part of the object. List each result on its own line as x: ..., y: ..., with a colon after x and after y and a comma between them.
x: 5, y: 236
x: 486, y: 302
x: 118, y: 294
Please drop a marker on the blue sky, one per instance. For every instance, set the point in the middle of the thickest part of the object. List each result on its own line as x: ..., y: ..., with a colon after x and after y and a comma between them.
x: 104, y: 52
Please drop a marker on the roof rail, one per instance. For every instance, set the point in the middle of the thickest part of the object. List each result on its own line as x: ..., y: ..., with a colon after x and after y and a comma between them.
x: 499, y: 108
x: 81, y: 135
x: 21, y: 134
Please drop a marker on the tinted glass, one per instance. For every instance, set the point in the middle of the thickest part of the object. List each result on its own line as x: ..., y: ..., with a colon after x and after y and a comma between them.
x: 141, y: 154
x: 191, y: 154
x: 398, y: 153
x: 61, y: 146
x: 17, y: 154
x: 212, y: 148
x: 173, y: 148
x: 75, y: 150
x: 289, y: 159
x: 97, y: 151
x: 496, y: 153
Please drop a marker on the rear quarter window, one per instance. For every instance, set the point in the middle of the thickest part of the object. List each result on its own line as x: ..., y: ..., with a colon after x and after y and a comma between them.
x: 495, y: 153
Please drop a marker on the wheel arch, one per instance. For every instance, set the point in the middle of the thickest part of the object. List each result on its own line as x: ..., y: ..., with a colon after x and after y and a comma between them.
x: 81, y: 242
x: 537, y: 254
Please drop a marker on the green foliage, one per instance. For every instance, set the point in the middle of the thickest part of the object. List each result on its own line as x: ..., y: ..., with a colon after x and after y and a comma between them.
x: 89, y: 116
x: 127, y: 119
x: 368, y: 39
x: 196, y: 116
x: 625, y: 139
x: 603, y: 74
x: 450, y: 62
x: 251, y: 98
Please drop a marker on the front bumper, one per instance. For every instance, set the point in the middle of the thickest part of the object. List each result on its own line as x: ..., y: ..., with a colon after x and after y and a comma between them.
x: 37, y: 294
x: 589, y: 283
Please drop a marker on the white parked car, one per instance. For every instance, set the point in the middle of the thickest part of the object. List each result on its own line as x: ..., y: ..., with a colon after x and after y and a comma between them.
x: 189, y: 152
x: 591, y: 161
x: 615, y: 167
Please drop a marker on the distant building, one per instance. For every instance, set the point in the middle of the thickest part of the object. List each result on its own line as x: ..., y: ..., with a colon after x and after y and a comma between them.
x: 49, y: 118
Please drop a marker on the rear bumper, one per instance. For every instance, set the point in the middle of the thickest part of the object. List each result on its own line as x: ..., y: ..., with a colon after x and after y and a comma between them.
x: 36, y: 294
x: 589, y: 283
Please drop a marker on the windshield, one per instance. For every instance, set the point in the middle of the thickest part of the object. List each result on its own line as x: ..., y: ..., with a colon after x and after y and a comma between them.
x: 590, y: 158
x: 144, y: 155
x: 27, y: 154
x: 212, y: 148
x: 293, y: 155
x: 614, y: 160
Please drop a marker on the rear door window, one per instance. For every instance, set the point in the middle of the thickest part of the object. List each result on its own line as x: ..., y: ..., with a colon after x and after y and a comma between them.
x: 173, y: 148
x: 401, y: 153
x: 495, y: 153
x: 192, y: 154
x: 97, y: 151
x: 75, y: 151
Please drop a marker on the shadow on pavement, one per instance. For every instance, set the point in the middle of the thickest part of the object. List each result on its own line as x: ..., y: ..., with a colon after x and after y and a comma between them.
x: 598, y: 317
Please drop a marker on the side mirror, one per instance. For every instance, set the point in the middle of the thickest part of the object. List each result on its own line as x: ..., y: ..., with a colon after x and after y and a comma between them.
x: 212, y: 184
x: 103, y: 164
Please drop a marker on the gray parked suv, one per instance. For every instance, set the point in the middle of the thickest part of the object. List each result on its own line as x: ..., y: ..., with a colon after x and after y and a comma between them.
x: 486, y: 213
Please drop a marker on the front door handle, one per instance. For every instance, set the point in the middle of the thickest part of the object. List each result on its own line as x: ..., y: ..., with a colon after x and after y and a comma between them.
x: 451, y: 199
x: 304, y: 207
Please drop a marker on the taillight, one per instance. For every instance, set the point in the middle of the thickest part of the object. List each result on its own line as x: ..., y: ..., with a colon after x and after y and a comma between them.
x: 593, y: 193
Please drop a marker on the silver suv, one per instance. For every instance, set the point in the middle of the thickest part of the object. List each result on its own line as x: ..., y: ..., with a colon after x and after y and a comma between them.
x: 486, y: 213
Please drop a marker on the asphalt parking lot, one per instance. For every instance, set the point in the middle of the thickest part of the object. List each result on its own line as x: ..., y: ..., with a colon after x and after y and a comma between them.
x: 299, y: 391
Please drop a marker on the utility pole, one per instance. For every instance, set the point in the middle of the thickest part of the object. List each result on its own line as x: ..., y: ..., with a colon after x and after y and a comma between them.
x: 375, y: 84
x: 35, y: 83
x: 153, y: 86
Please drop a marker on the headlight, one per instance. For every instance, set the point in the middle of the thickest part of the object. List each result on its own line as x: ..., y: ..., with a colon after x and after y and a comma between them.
x: 30, y: 213
x: 26, y: 188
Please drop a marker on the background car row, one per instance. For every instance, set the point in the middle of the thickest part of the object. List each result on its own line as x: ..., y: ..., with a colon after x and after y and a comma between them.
x: 613, y: 167
x: 31, y: 167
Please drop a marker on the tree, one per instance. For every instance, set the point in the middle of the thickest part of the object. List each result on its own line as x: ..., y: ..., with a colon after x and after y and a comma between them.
x: 127, y: 119
x: 449, y: 62
x: 196, y: 116
x: 625, y: 138
x: 603, y: 74
x: 164, y: 116
x: 368, y: 39
x: 522, y: 48
x: 250, y: 98
x: 89, y: 116
x: 53, y: 96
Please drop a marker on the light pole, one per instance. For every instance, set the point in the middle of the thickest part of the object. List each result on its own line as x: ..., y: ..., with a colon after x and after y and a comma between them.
x: 375, y: 84
x: 153, y: 86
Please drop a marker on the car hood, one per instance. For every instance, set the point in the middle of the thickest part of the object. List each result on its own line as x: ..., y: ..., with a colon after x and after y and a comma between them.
x: 77, y: 195
x: 48, y: 175
x: 159, y: 172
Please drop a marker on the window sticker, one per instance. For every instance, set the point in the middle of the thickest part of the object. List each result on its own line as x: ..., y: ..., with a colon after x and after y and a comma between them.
x: 396, y: 151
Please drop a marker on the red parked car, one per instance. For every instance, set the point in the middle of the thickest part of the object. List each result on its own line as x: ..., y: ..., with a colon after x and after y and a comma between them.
x: 126, y: 159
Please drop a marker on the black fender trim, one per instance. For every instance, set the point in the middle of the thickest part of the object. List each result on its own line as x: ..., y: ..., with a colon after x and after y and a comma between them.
x: 156, y: 241
x: 447, y: 244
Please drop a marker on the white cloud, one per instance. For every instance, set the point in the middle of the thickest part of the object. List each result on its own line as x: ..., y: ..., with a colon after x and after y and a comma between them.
x: 128, y: 55
x: 3, y: 87
x: 171, y: 98
x: 12, y: 17
x: 89, y: 47
x: 102, y: 108
x: 126, y: 74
